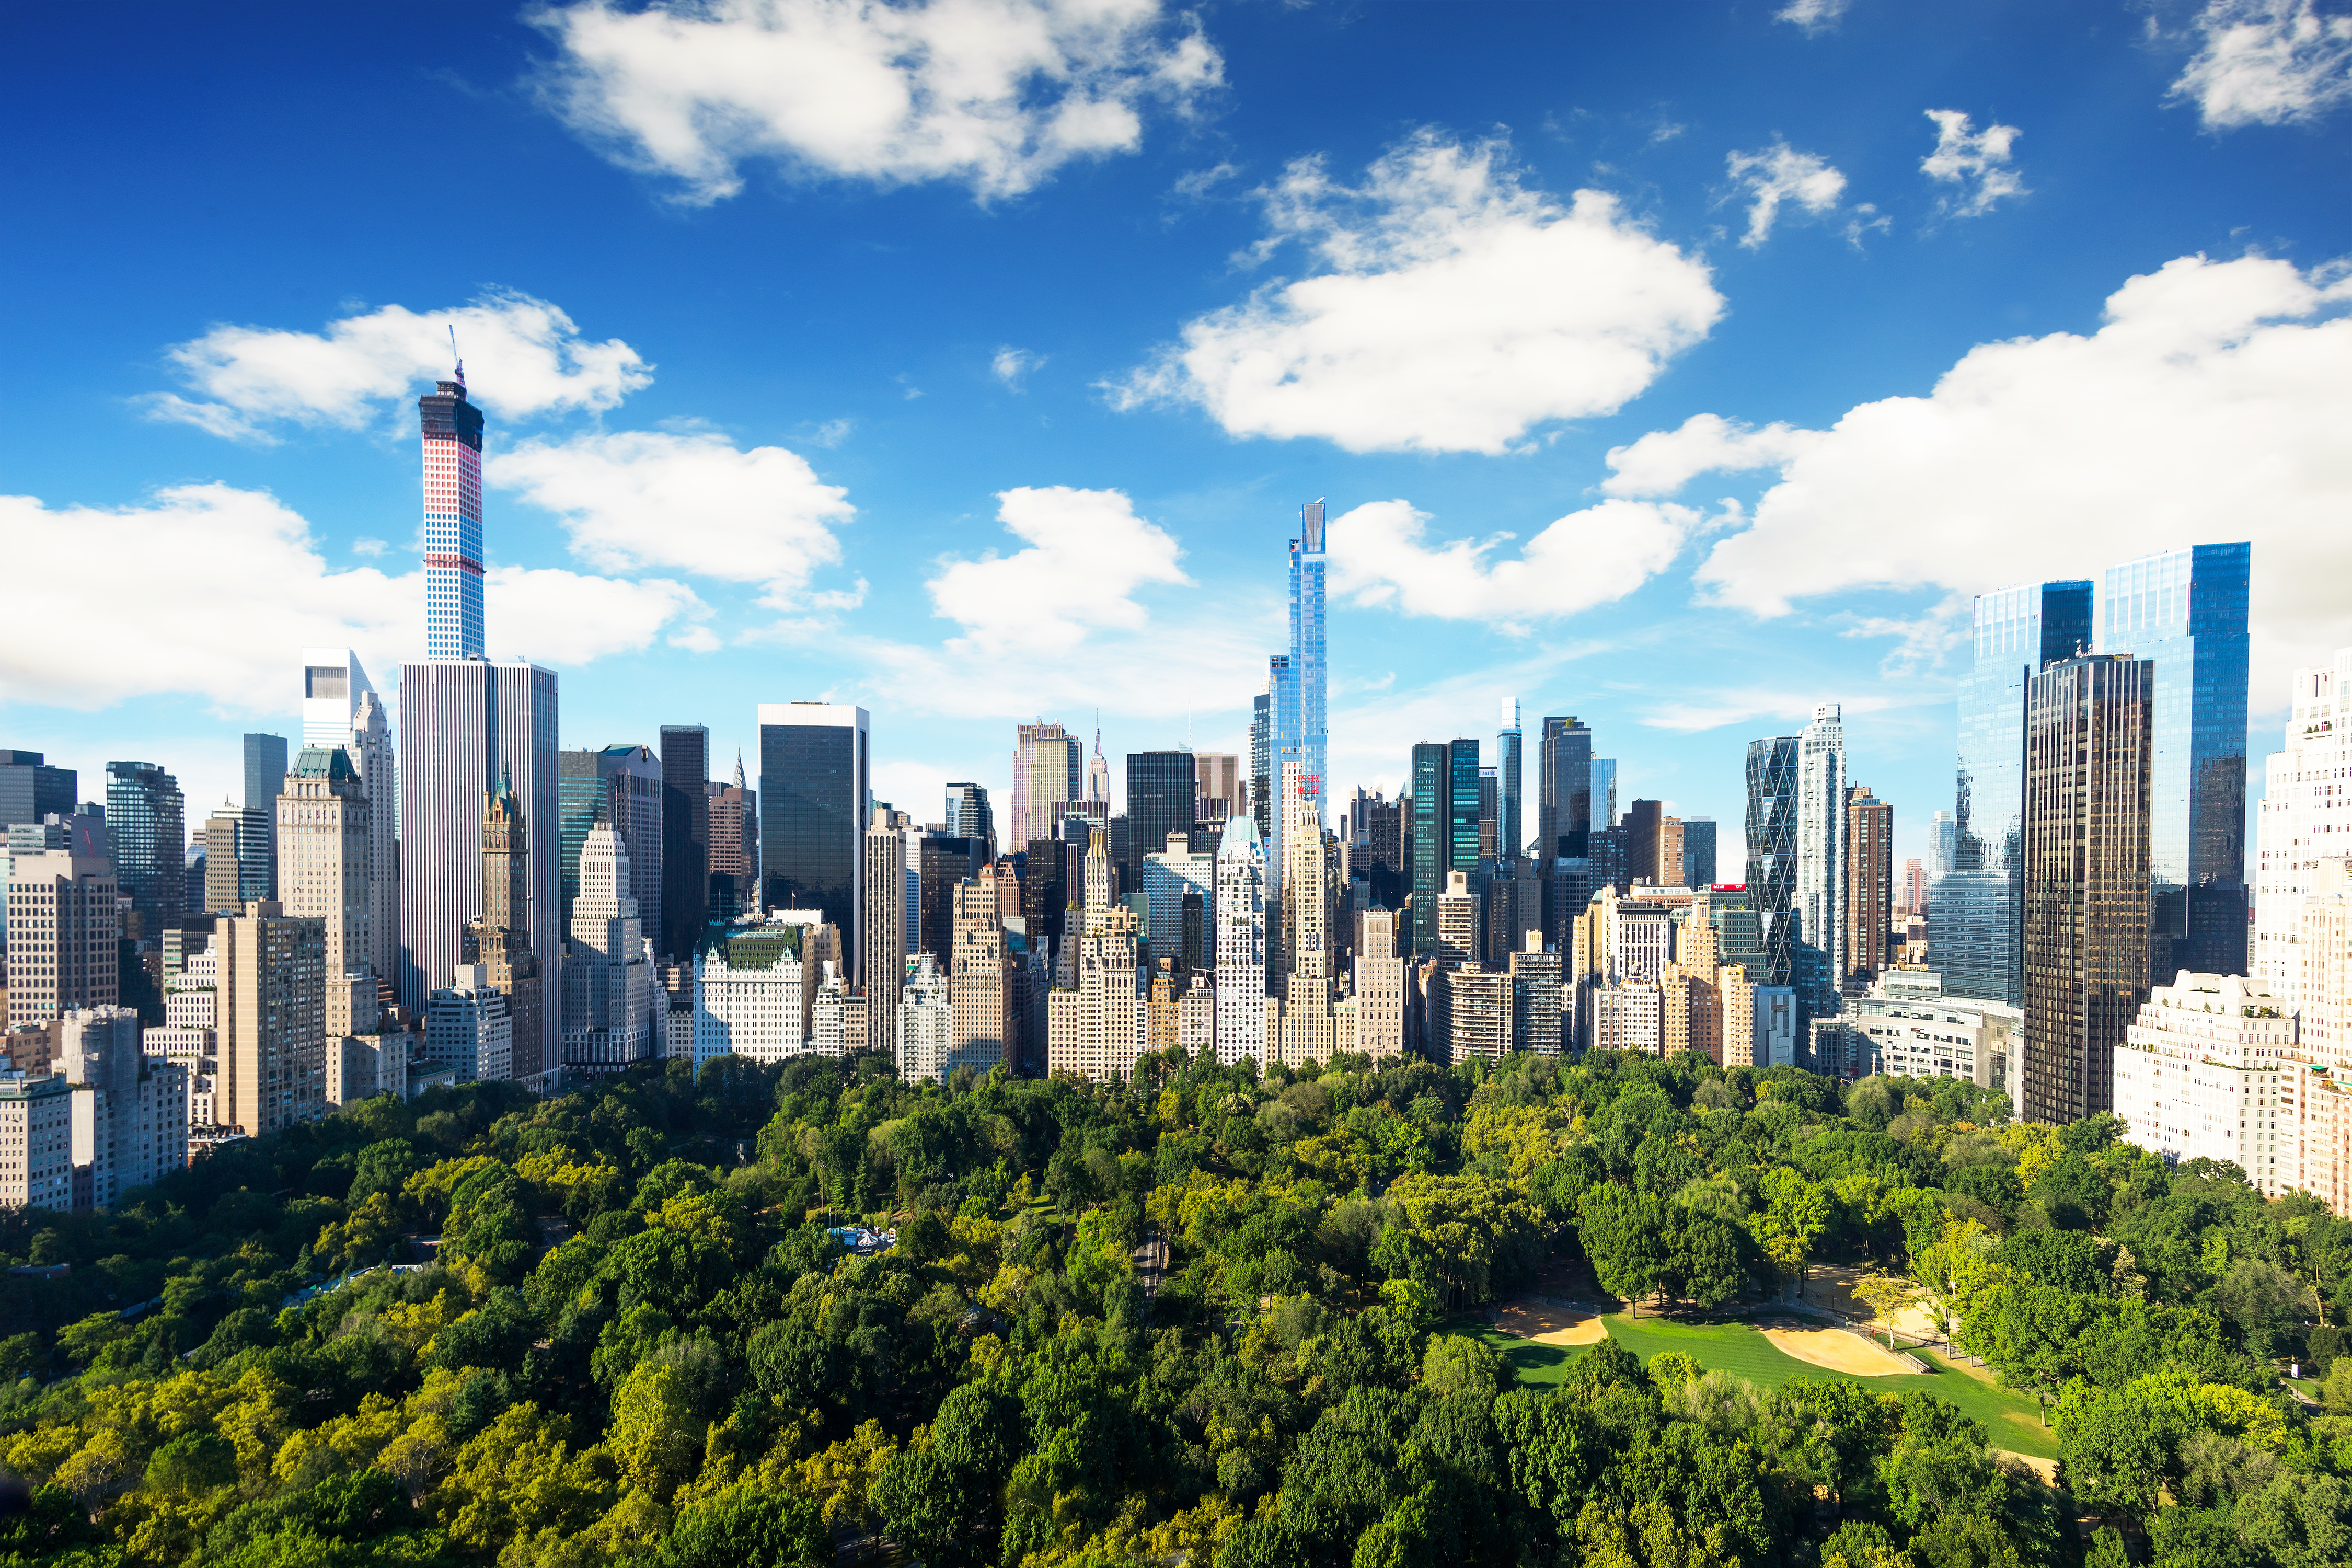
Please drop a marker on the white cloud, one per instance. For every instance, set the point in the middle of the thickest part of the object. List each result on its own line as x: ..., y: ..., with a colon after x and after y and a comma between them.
x: 2210, y: 406
x: 2268, y: 62
x: 1814, y: 15
x: 996, y: 94
x: 1454, y: 309
x: 688, y: 502
x: 1977, y: 162
x: 207, y: 586
x: 1088, y: 553
x: 1663, y: 462
x: 1781, y: 174
x: 1382, y: 555
x: 1011, y: 364
x: 525, y: 358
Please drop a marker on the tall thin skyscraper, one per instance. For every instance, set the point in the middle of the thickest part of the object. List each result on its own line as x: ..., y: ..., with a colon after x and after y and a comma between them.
x: 1772, y: 850
x: 322, y: 821
x: 1099, y: 770
x: 814, y: 800
x: 271, y: 1018
x: 1510, y: 827
x: 882, y: 931
x: 686, y: 836
x: 1241, y: 942
x: 1975, y: 911
x: 1821, y: 886
x: 370, y: 747
x: 1869, y: 883
x: 1564, y: 789
x: 969, y: 815
x: 1045, y: 761
x: 499, y: 941
x: 1604, y: 791
x: 1305, y: 738
x: 1261, y: 779
x: 608, y: 989
x: 146, y: 833
x: 2185, y: 612
x: 1426, y: 840
x: 1462, y: 806
x: 265, y: 772
x: 453, y: 521
x: 2088, y: 744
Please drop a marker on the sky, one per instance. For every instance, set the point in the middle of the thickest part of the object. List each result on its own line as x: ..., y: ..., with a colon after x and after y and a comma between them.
x: 1678, y: 366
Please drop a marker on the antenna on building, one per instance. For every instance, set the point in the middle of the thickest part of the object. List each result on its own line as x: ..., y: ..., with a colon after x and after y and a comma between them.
x: 456, y: 355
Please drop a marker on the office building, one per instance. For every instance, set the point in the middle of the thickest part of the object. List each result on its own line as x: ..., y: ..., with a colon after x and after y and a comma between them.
x: 1217, y: 778
x: 265, y: 771
x: 1975, y: 925
x: 62, y: 930
x: 2184, y: 611
x: 1869, y: 896
x: 1171, y: 878
x: 453, y: 521
x: 751, y: 995
x: 237, y: 856
x: 1533, y: 973
x: 1045, y: 763
x: 608, y: 973
x: 1095, y: 1027
x: 813, y: 805
x: 333, y: 682
x: 1604, y: 791
x: 1910, y: 1027
x: 469, y: 1029
x: 1261, y: 778
x: 2305, y: 820
x: 36, y: 1165
x: 734, y: 848
x: 368, y: 744
x: 324, y: 819
x: 2087, y: 738
x: 622, y: 784
x: 883, y: 927
x: 1771, y: 879
x: 499, y: 943
x: 1698, y: 852
x: 1564, y: 789
x: 467, y: 726
x: 686, y: 836
x: 1160, y: 796
x: 31, y: 789
x: 146, y: 829
x: 1376, y: 824
x: 1943, y: 840
x: 1510, y: 823
x: 1653, y: 845
x: 941, y: 863
x: 1457, y: 923
x: 130, y: 1110
x: 1376, y: 985
x: 270, y: 1008
x: 1241, y: 944
x: 925, y: 1023
x: 984, y: 1024
x: 2206, y: 1071
x: 968, y: 816
x: 1820, y: 890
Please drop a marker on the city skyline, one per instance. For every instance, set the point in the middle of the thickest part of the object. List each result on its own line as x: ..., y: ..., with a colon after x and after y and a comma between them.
x: 702, y: 484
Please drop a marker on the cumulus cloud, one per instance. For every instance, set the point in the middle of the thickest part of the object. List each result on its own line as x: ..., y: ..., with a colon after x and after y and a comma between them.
x: 1382, y: 555
x: 2267, y: 62
x: 1975, y: 162
x: 525, y: 358
x: 1781, y: 174
x: 1011, y: 364
x: 1814, y: 15
x: 687, y: 502
x: 2209, y: 406
x: 219, y: 556
x: 1453, y: 310
x: 994, y: 94
x: 1663, y: 462
x: 1087, y: 553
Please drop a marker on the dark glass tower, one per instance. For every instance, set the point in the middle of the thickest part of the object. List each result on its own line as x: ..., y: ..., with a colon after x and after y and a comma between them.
x: 1510, y: 823
x: 1975, y: 913
x: 2185, y: 612
x: 1160, y: 795
x: 147, y: 835
x: 1772, y: 851
x: 2088, y: 750
x: 813, y: 803
x: 1461, y: 807
x: 265, y: 781
x: 686, y: 836
x: 1425, y: 851
x: 1260, y: 784
x: 1564, y: 789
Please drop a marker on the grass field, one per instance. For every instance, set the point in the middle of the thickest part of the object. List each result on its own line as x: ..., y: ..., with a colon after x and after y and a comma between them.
x: 1736, y: 1348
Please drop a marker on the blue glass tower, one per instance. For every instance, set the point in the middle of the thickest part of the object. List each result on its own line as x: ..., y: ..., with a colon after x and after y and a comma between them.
x: 1977, y: 911
x: 1510, y: 827
x: 1305, y: 736
x: 2185, y: 612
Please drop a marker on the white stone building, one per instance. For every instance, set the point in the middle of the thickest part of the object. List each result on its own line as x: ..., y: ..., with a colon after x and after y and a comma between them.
x: 2206, y: 1073
x: 747, y: 998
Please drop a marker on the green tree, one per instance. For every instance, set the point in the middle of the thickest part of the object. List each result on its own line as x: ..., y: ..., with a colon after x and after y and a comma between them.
x: 748, y: 1527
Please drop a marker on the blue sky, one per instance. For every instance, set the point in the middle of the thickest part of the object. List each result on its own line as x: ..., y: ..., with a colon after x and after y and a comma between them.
x: 1675, y: 366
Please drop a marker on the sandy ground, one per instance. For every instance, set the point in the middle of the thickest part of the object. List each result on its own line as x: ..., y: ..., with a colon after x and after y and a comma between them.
x: 1836, y: 1349
x: 1547, y: 1324
x: 1831, y: 1285
x: 2046, y: 1469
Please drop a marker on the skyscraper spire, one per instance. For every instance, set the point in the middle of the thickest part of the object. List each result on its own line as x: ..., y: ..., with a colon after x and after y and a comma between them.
x: 453, y: 520
x: 738, y: 767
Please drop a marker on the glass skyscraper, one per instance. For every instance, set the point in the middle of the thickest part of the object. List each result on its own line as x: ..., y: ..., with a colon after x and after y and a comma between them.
x: 1772, y: 851
x: 2184, y: 611
x: 1461, y: 807
x: 453, y: 521
x: 1976, y: 911
x: 1510, y: 826
x: 1564, y: 789
x: 814, y: 803
x: 1425, y: 852
x: 1304, y: 731
x: 146, y: 831
x: 1160, y: 791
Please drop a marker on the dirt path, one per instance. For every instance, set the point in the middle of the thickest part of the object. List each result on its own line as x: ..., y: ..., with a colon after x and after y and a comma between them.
x: 1549, y: 1323
x: 1836, y: 1349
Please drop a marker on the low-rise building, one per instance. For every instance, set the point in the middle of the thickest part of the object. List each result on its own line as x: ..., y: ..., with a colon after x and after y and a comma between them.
x: 35, y: 1142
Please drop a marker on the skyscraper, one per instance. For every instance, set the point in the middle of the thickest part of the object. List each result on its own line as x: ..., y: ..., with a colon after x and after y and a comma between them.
x: 1099, y: 770
x: 2306, y: 816
x: 1564, y: 789
x: 1261, y: 778
x: 882, y: 928
x: 236, y: 858
x: 499, y: 944
x: 734, y: 846
x: 1698, y: 852
x: 1869, y: 896
x: 369, y: 745
x: 1820, y: 883
x: 813, y: 805
x: 686, y: 836
x: 62, y: 930
x: 265, y: 771
x: 1217, y: 775
x: 30, y: 789
x: 332, y: 685
x: 1426, y: 842
x: 1462, y: 805
x: 608, y: 990
x: 453, y: 521
x: 322, y: 821
x: 1604, y: 791
x: 1045, y: 759
x: 1772, y: 850
x: 1510, y: 827
x: 981, y: 1030
x: 622, y: 784
x: 1304, y: 738
x: 1241, y: 942
x: 2088, y: 740
x: 1159, y: 796
x: 1974, y: 915
x: 271, y: 1019
x: 2185, y: 612
x: 968, y: 816
x: 146, y: 830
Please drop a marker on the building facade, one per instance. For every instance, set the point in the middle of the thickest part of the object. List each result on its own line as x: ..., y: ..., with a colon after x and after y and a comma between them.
x: 815, y: 801
x: 271, y: 1008
x: 608, y: 987
x: 1241, y: 944
x: 146, y: 831
x: 324, y: 839
x: 686, y: 836
x: 453, y: 521
x: 2306, y: 818
x: 2205, y: 1072
x: 1869, y: 896
x: 62, y: 929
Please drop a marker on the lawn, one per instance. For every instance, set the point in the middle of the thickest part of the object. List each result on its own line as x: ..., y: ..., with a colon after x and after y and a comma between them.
x: 1737, y: 1348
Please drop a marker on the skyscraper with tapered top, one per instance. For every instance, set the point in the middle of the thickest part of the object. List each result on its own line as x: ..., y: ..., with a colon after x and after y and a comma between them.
x: 1304, y: 737
x: 453, y: 521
